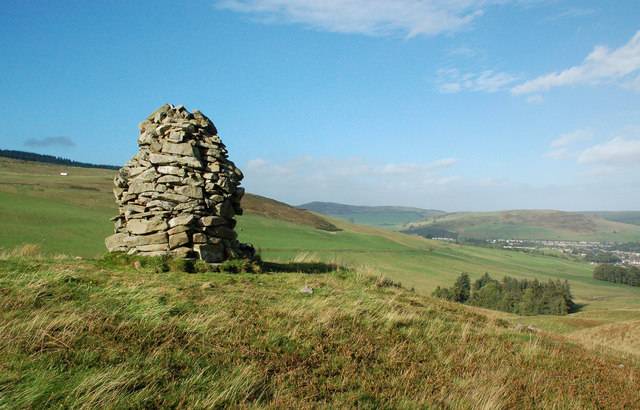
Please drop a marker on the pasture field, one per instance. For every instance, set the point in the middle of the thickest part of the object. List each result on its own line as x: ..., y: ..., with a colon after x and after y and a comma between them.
x: 70, y: 215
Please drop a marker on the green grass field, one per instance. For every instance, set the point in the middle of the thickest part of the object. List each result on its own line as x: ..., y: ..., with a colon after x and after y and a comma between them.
x: 70, y: 215
x: 102, y: 334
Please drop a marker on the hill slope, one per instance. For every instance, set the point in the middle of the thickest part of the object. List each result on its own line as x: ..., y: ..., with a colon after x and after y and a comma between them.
x: 382, y: 216
x: 530, y: 224
x: 99, y: 335
x: 627, y: 217
x: 270, y: 208
x: 70, y: 215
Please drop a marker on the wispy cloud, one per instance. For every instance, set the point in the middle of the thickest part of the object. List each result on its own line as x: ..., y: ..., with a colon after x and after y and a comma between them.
x: 309, y: 178
x: 50, y: 142
x: 573, y: 12
x: 602, y: 65
x: 569, y: 138
x: 617, y: 152
x: 370, y: 17
x: 454, y: 81
x: 561, y: 146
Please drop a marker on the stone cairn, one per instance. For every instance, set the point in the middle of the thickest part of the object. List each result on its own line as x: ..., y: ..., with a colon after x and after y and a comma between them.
x: 179, y: 194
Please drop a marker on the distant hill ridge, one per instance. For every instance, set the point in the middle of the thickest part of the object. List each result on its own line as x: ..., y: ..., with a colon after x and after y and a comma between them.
x: 381, y: 216
x: 529, y: 225
x: 337, y: 208
x: 50, y: 159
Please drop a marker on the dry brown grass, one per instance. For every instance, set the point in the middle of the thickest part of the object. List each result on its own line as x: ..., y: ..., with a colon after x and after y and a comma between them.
x: 259, y: 205
x: 621, y: 336
x: 28, y: 251
x: 75, y: 336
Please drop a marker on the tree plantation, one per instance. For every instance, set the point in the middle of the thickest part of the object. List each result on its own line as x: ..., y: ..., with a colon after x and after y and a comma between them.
x: 523, y: 297
x: 628, y: 275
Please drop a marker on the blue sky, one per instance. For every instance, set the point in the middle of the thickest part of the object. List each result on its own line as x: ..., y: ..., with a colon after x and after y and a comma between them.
x: 457, y: 105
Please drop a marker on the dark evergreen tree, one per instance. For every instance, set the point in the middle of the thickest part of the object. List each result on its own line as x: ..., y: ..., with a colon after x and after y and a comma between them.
x: 524, y: 297
x: 462, y: 288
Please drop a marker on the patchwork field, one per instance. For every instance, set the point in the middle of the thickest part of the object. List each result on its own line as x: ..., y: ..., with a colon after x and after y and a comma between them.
x: 70, y: 215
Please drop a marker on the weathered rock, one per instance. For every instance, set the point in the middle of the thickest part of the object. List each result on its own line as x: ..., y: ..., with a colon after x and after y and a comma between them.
x: 179, y: 149
x: 145, y: 226
x: 153, y: 248
x: 140, y: 187
x: 178, y: 240
x: 212, y: 221
x: 190, y: 162
x: 199, y: 237
x: 191, y: 191
x: 225, y: 210
x: 171, y: 170
x: 116, y: 242
x: 156, y: 203
x: 169, y: 196
x: 147, y: 176
x: 161, y: 159
x: 177, y: 136
x: 169, y: 179
x: 210, y: 253
x: 178, y: 229
x: 152, y: 239
x: 181, y: 220
x: 182, y: 252
x: 179, y: 194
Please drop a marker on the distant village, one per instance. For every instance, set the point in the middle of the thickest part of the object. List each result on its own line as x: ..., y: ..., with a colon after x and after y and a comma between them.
x: 594, y: 252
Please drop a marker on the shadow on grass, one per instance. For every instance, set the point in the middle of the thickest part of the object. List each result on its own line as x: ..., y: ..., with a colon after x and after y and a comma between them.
x: 577, y: 307
x: 299, y: 267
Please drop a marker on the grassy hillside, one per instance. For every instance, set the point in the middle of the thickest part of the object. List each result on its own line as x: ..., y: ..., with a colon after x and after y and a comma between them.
x: 267, y: 207
x: 393, y: 217
x: 90, y: 334
x: 627, y: 217
x: 535, y: 224
x: 70, y: 215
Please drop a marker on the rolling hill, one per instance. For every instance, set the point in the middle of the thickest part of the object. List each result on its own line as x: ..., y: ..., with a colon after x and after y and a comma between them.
x: 110, y: 334
x: 130, y: 337
x: 627, y: 217
x: 527, y: 224
x: 70, y: 215
x: 392, y: 217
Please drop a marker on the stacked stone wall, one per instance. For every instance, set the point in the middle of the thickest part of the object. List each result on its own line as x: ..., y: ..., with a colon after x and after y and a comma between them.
x: 180, y: 193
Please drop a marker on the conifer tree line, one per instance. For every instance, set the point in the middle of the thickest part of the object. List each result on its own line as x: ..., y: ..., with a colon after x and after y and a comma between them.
x: 522, y: 297
x: 50, y: 159
x: 628, y: 275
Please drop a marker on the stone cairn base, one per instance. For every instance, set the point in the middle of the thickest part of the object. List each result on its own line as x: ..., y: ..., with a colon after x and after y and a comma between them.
x: 179, y: 194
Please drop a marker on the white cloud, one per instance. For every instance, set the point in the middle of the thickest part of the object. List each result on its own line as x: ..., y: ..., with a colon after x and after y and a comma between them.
x: 561, y: 146
x: 370, y: 17
x: 618, y: 152
x: 601, y: 66
x: 569, y: 138
x: 308, y: 178
x: 574, y: 12
x: 453, y: 81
